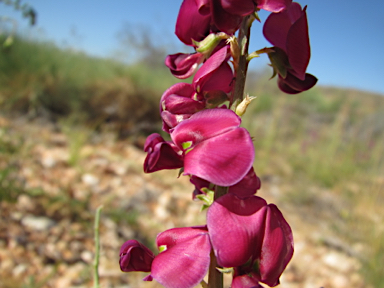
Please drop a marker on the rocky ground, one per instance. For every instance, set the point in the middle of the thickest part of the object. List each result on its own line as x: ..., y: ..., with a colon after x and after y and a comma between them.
x: 53, y: 179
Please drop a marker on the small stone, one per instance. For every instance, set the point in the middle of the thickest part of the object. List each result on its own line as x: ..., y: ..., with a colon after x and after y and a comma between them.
x: 90, y: 179
x: 38, y: 223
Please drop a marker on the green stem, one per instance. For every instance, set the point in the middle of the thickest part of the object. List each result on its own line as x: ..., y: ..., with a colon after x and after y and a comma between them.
x: 97, y: 248
x: 241, y: 73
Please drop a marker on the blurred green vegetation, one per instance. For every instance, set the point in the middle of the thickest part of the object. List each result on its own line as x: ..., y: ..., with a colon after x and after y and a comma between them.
x: 38, y: 78
x: 326, y: 137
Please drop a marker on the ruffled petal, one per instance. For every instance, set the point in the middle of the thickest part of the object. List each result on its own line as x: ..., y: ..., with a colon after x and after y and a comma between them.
x: 161, y: 154
x: 183, y: 65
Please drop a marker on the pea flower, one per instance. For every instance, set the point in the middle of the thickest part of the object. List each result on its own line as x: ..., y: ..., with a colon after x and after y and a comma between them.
x: 161, y: 154
x: 183, y: 65
x: 210, y: 84
x: 258, y: 241
x: 197, y: 18
x: 183, y: 260
x: 288, y: 32
x: 215, y: 148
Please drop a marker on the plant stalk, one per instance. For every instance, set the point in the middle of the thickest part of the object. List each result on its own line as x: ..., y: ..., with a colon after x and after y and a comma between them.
x: 97, y: 248
x: 242, y: 68
x: 215, y: 278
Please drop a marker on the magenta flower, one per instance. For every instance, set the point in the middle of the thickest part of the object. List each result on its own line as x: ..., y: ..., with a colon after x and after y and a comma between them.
x: 258, y: 241
x: 210, y: 85
x: 161, y: 154
x: 178, y: 103
x: 183, y: 65
x: 183, y: 262
x: 198, y: 18
x: 215, y: 148
x: 288, y: 31
x: 134, y: 256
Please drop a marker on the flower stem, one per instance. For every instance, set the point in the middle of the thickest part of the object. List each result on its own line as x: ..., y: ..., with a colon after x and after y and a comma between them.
x: 242, y: 68
x: 97, y: 248
x: 215, y: 278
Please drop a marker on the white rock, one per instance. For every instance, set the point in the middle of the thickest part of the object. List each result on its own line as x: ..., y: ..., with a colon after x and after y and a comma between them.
x: 38, y: 223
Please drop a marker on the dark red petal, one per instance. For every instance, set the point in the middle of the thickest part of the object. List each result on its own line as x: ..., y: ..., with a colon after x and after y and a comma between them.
x: 293, y: 85
x: 224, y: 21
x: 191, y: 24
x: 247, y: 186
x: 236, y: 228
x: 183, y: 65
x: 298, y: 49
x: 134, y: 256
x: 277, y: 249
x: 186, y: 259
x: 163, y: 155
x: 277, y: 25
x: 236, y: 7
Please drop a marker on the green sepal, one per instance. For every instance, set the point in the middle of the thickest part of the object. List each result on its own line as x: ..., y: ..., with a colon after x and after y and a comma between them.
x: 209, y: 43
x: 279, y: 61
x: 181, y: 171
x: 162, y: 248
x: 207, y: 198
x: 186, y: 145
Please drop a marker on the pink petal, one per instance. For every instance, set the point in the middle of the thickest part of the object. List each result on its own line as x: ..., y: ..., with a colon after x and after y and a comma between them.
x: 212, y: 64
x: 222, y: 160
x: 179, y: 89
x: 236, y: 228
x: 273, y: 5
x: 186, y: 260
x: 205, y: 124
x: 220, y: 79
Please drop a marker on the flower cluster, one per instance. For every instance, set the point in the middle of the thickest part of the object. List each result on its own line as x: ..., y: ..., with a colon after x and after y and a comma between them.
x: 243, y: 234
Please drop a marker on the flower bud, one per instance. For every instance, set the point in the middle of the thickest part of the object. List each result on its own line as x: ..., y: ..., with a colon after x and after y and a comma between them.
x: 210, y: 42
x: 242, y: 107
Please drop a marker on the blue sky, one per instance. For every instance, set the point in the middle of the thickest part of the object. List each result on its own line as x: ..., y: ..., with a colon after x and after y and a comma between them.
x: 347, y: 36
